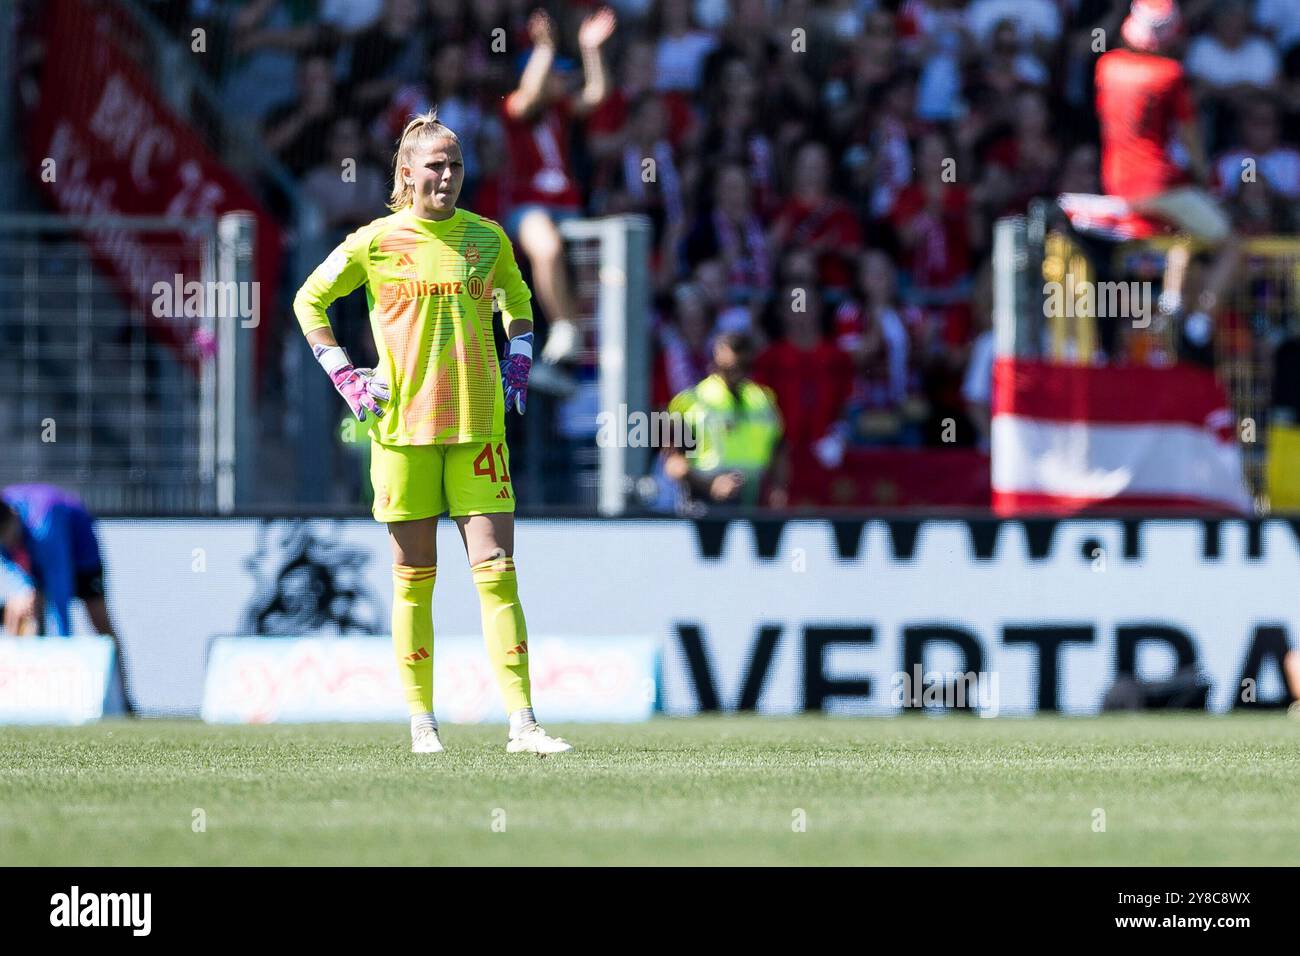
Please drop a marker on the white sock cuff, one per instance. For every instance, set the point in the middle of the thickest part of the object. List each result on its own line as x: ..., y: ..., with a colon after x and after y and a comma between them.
x: 331, y: 357
x: 521, y: 720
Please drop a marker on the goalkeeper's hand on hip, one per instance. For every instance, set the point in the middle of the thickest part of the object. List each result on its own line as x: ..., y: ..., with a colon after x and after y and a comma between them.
x: 514, y: 371
x: 360, y: 388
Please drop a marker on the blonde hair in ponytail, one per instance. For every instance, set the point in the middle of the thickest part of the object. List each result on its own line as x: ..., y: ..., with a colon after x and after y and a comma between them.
x: 421, y: 132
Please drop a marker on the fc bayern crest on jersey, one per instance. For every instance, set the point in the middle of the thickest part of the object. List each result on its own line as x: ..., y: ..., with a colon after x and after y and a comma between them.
x: 471, y: 253
x: 475, y: 287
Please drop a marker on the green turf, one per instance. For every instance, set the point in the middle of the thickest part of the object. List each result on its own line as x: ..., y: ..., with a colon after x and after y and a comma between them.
x: 913, y: 791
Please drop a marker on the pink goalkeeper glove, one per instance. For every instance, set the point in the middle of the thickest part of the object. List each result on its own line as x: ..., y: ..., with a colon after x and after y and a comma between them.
x: 514, y: 372
x: 358, y: 386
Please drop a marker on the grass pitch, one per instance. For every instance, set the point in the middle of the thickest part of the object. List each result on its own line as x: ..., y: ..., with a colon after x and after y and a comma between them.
x: 710, y: 790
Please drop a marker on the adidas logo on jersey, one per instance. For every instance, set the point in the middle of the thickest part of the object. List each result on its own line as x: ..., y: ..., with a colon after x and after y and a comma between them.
x: 503, y: 493
x: 420, y: 655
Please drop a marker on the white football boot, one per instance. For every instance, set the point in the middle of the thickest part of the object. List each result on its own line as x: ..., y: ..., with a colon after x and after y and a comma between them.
x: 424, y: 740
x: 534, y: 740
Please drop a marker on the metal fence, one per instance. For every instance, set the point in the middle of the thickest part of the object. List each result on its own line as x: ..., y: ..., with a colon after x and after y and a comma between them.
x: 123, y: 399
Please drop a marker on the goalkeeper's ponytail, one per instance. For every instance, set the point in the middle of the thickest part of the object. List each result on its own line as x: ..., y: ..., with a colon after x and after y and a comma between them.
x: 422, y: 131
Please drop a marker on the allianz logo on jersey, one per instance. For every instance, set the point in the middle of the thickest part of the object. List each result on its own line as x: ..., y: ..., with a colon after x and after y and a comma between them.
x: 394, y: 292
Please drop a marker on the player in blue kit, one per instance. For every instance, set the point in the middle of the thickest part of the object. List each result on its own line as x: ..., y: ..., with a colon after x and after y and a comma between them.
x: 48, y: 542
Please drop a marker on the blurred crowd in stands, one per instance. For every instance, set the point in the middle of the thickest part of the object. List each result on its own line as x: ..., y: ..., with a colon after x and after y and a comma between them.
x: 826, y: 174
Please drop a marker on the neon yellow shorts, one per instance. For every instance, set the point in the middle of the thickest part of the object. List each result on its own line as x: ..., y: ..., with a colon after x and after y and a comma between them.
x: 421, y: 481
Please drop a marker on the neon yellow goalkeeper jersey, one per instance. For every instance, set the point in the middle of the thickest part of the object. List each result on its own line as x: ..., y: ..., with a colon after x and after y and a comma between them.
x: 430, y: 285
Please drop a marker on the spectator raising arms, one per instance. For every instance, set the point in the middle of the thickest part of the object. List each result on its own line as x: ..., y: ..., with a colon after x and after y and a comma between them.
x: 538, y: 115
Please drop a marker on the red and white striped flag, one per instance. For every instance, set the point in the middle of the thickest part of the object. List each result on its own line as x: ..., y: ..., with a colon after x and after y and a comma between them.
x: 1071, y: 438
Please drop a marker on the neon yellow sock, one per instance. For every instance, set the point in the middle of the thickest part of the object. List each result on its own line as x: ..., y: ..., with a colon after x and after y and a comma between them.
x: 413, y: 633
x: 504, y: 630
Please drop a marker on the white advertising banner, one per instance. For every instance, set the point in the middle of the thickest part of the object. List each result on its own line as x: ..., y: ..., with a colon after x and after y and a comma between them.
x: 808, y: 614
x: 267, y: 679
x: 54, y: 680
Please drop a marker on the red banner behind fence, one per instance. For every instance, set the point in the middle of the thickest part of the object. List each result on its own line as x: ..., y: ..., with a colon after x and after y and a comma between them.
x: 118, y: 149
x: 1073, y: 439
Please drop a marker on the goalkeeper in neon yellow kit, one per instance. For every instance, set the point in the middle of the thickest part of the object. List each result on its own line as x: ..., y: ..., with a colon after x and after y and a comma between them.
x: 439, y: 397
